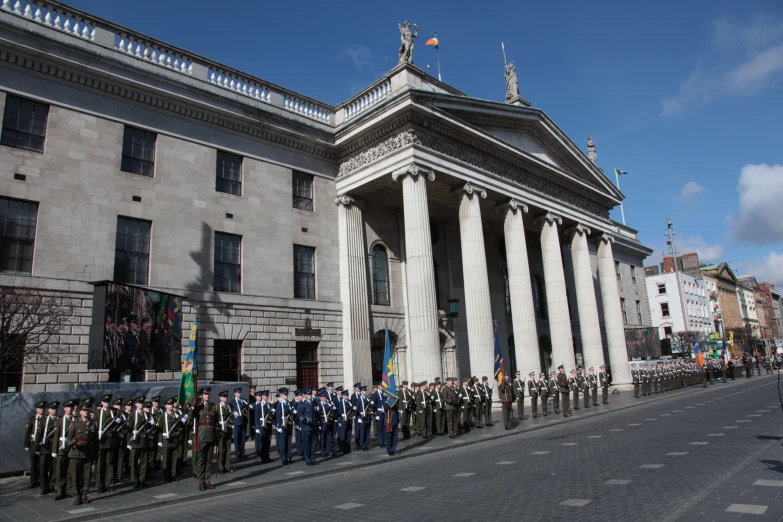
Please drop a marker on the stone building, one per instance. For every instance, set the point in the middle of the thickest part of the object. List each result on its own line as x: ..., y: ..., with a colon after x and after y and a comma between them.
x: 297, y: 230
x: 723, y: 289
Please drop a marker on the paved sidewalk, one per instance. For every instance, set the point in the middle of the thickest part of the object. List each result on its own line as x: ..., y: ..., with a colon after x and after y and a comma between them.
x: 19, y: 503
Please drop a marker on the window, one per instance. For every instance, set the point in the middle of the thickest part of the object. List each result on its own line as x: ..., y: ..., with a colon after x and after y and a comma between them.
x: 228, y: 262
x: 138, y: 151
x: 228, y: 177
x: 380, y: 276
x: 633, y: 274
x: 625, y: 313
x: 303, y: 191
x: 227, y: 357
x: 11, y: 361
x: 538, y: 298
x: 667, y: 331
x: 661, y: 288
x: 507, y: 291
x: 24, y: 124
x: 17, y: 235
x: 617, y: 270
x: 639, y: 312
x: 664, y: 309
x: 304, y: 272
x: 132, y: 251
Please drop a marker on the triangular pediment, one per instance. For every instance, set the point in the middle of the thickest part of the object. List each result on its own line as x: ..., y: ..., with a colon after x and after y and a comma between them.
x: 526, y: 142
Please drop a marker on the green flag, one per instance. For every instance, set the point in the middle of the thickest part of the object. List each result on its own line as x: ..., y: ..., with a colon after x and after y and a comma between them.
x: 619, y: 172
x: 189, y: 378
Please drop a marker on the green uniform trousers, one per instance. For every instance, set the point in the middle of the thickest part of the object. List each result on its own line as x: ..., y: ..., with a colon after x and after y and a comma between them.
x: 224, y: 452
x: 565, y: 405
x: 203, y: 461
x: 79, y: 476
x: 138, y: 464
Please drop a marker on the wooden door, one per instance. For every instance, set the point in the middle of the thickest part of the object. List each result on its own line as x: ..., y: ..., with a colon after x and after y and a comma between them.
x: 306, y: 364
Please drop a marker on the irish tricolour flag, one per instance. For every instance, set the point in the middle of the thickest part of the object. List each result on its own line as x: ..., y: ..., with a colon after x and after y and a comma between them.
x: 434, y: 41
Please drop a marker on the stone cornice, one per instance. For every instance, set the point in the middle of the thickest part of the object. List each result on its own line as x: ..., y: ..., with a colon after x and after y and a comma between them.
x: 71, y: 74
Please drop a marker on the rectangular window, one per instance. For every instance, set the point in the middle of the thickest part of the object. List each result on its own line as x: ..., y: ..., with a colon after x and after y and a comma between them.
x: 228, y: 262
x: 664, y: 309
x: 229, y: 173
x: 304, y: 272
x: 625, y: 313
x: 639, y: 312
x: 617, y: 270
x: 138, y: 151
x: 24, y: 124
x: 227, y: 359
x: 303, y: 191
x: 633, y: 274
x: 132, y: 251
x: 667, y: 331
x: 17, y: 235
x: 661, y: 288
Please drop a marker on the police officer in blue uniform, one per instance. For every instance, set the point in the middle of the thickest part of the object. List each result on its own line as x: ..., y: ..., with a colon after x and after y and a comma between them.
x: 363, y: 417
x: 264, y: 414
x: 392, y: 426
x: 283, y: 425
x: 344, y: 422
x: 305, y: 416
x: 240, y: 410
x: 325, y: 416
x: 379, y: 407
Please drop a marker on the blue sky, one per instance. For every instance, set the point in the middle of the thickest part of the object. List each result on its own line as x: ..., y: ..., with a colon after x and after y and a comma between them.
x: 685, y: 96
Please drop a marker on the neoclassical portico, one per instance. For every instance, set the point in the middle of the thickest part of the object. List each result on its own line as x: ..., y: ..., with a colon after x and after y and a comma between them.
x: 505, y: 192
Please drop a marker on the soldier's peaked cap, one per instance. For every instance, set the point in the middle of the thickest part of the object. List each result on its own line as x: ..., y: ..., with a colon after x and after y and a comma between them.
x: 263, y: 392
x: 237, y: 390
x: 147, y: 404
x: 117, y: 402
x: 140, y: 399
x: 171, y: 400
x: 106, y: 397
x: 404, y: 383
x: 205, y: 390
x: 357, y: 385
x: 561, y: 367
x: 54, y: 405
x: 155, y: 398
x: 224, y: 393
x: 282, y: 391
x: 84, y: 407
x: 70, y: 403
x: 40, y: 404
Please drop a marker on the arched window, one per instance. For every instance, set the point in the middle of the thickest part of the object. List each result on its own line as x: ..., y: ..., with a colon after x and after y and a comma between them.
x: 538, y: 297
x: 380, y: 275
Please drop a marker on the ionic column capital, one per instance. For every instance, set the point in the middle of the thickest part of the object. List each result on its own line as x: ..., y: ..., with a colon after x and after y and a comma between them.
x: 347, y: 200
x: 514, y: 205
x: 549, y: 217
x: 413, y: 170
x: 470, y: 189
x: 604, y: 238
x: 582, y: 230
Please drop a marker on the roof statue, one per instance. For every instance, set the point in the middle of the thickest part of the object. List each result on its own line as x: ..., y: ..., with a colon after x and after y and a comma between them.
x: 512, y: 84
x: 592, y: 155
x: 406, y: 37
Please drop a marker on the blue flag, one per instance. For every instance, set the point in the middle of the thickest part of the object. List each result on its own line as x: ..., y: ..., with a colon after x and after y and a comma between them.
x: 697, y: 353
x: 389, y: 381
x: 499, y: 370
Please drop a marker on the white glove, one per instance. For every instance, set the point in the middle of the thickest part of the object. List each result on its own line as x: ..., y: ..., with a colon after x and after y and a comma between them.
x: 152, y: 422
x: 118, y: 420
x: 190, y: 442
x: 27, y: 449
x: 54, y: 455
x: 37, y: 452
x: 279, y: 430
x: 377, y: 417
x: 380, y: 410
x: 360, y: 421
x: 421, y: 411
x: 354, y: 408
x: 129, y: 446
x: 160, y: 444
x: 236, y: 415
x: 185, y: 417
x: 258, y: 432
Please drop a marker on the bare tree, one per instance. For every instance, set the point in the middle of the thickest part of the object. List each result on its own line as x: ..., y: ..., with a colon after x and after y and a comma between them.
x: 744, y: 340
x: 686, y: 340
x: 31, y: 322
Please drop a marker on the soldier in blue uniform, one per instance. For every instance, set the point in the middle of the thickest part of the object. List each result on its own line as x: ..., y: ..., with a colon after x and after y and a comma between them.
x: 344, y: 422
x: 391, y: 426
x: 283, y: 425
x: 325, y: 415
x: 239, y: 409
x: 378, y: 405
x: 264, y: 413
x: 305, y: 416
x: 363, y: 419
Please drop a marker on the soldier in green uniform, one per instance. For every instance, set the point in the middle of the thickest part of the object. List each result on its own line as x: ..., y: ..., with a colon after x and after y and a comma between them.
x: 47, y: 459
x: 169, y: 441
x: 225, y: 434
x: 428, y: 410
x: 584, y: 386
x: 506, y: 396
x: 183, y: 413
x: 404, y: 409
x: 487, y: 394
x: 592, y: 380
x: 60, y: 451
x: 108, y: 444
x: 466, y: 403
x: 532, y: 391
x: 478, y: 404
x: 33, y: 431
x: 80, y: 438
x: 451, y: 408
x: 543, y: 394
x: 205, y: 426
x: 139, y: 423
x: 118, y: 432
x: 519, y: 394
x: 438, y: 409
x: 419, y: 409
x: 565, y: 392
x: 603, y: 382
x: 153, y: 458
x: 123, y: 458
x: 573, y: 384
x: 554, y: 391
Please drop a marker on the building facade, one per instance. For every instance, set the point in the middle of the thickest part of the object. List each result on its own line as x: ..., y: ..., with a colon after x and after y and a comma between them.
x: 678, y: 303
x: 298, y: 231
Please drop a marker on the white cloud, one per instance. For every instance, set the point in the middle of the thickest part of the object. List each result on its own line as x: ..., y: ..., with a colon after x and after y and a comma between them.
x: 744, y: 58
x: 758, y: 219
x: 769, y: 269
x: 361, y: 56
x: 707, y: 253
x: 689, y: 190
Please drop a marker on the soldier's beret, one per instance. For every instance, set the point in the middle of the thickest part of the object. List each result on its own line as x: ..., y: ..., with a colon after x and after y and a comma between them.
x: 40, y: 405
x: 357, y: 385
x: 171, y: 400
x: 140, y: 399
x: 54, y: 405
x: 117, y: 402
x: 330, y: 384
x: 205, y: 391
x: 84, y: 407
x: 404, y: 383
x: 237, y: 390
x: 106, y: 397
x: 224, y: 393
x: 433, y: 383
x: 155, y: 398
x: 147, y: 404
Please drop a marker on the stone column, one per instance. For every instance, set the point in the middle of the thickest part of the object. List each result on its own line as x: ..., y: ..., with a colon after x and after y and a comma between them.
x: 478, y: 309
x: 523, y: 315
x: 424, y: 341
x: 353, y: 292
x: 589, y: 325
x: 556, y: 299
x: 613, y: 315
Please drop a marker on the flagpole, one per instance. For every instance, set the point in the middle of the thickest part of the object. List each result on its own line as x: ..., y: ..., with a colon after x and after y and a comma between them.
x: 437, y: 54
x: 617, y: 177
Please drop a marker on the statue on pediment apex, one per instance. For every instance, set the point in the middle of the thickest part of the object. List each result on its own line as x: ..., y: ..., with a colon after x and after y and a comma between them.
x: 406, y: 37
x: 512, y: 84
x: 592, y: 155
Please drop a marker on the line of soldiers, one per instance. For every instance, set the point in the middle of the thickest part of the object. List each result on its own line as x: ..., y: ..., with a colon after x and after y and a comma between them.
x: 659, y: 377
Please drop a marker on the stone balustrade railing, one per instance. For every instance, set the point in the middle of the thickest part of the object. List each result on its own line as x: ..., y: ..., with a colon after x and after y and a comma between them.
x: 82, y: 25
x: 56, y: 16
x: 367, y: 99
x: 240, y: 84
